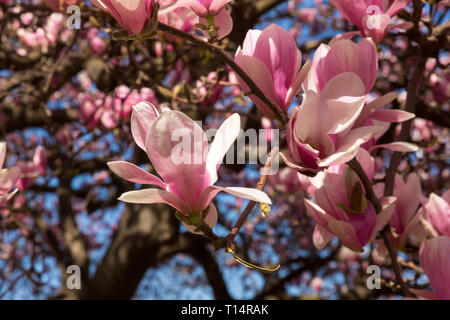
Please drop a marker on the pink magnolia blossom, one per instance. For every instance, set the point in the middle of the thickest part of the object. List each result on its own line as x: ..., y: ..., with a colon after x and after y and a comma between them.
x: 8, y: 177
x: 372, y: 17
x: 188, y: 173
x: 272, y: 60
x: 435, y: 260
x: 437, y: 211
x: 340, y: 208
x: 321, y: 131
x: 131, y: 15
x: 362, y: 59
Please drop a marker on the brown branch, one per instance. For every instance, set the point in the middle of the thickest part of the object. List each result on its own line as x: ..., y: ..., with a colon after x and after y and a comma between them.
x: 230, y: 62
x: 370, y: 193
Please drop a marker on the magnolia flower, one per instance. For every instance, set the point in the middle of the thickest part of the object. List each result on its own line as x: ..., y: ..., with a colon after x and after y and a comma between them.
x: 132, y: 15
x: 272, y: 60
x: 435, y: 261
x: 437, y: 211
x: 362, y: 59
x: 372, y: 17
x: 320, y: 132
x: 207, y: 10
x: 8, y: 177
x: 341, y: 208
x: 188, y: 172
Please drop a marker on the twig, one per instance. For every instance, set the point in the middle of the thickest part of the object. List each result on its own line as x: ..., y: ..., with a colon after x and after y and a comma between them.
x: 251, y: 205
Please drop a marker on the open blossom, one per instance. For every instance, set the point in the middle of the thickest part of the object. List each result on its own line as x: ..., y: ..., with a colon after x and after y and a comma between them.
x: 372, y: 17
x: 435, y: 260
x: 8, y: 177
x: 341, y: 208
x: 362, y: 59
x: 131, y: 15
x: 437, y: 212
x: 272, y: 60
x: 188, y: 173
x: 321, y: 131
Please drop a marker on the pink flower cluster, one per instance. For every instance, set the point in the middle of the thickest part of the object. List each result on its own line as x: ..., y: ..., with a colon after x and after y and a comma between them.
x: 97, y: 108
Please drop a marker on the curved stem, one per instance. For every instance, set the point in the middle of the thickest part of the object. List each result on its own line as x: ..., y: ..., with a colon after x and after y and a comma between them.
x: 230, y: 62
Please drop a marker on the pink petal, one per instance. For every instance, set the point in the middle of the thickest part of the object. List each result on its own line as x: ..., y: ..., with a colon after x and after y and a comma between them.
x: 277, y: 50
x: 259, y: 73
x: 224, y: 22
x: 374, y: 106
x: 133, y: 173
x: 392, y: 115
x: 317, y: 213
x: 367, y: 162
x: 435, y: 259
x: 346, y: 233
x: 296, y: 85
x: 397, y: 6
x: 9, y: 178
x: 438, y: 213
x: 156, y: 196
x: 142, y: 116
x: 247, y: 193
x: 321, y: 237
x: 384, y: 216
x: 249, y: 45
x: 224, y: 138
x: 397, y: 146
x: 349, y: 145
x: 2, y: 153
x: 217, y: 6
